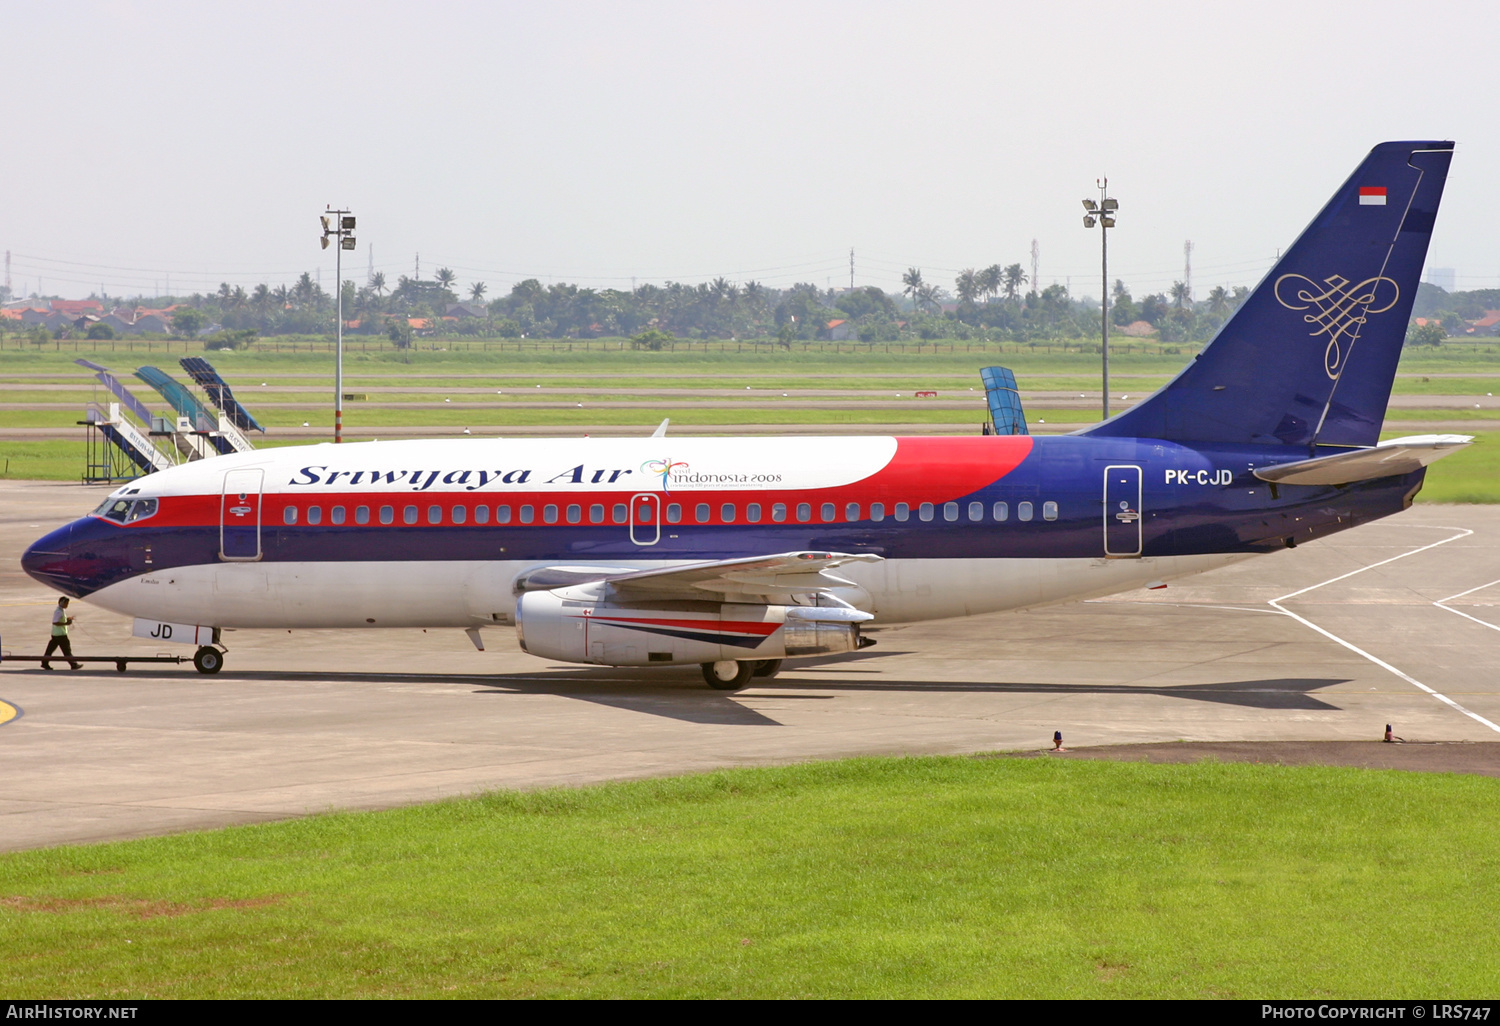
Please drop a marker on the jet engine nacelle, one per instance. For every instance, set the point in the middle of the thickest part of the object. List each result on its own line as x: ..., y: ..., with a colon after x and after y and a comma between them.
x: 581, y: 630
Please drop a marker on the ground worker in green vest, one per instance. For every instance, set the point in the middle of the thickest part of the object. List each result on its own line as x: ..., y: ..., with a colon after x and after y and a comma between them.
x: 60, y: 622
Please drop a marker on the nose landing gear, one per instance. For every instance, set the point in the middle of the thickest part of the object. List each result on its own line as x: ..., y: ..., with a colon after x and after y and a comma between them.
x: 208, y: 659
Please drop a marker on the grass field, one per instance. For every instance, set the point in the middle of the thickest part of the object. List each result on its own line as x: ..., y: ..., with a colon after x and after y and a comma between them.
x: 931, y: 877
x: 670, y: 384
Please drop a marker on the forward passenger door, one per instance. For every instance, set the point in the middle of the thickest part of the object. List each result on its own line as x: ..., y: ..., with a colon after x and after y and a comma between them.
x: 239, y: 515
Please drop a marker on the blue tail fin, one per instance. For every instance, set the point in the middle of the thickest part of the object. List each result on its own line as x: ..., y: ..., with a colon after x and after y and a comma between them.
x: 1310, y: 356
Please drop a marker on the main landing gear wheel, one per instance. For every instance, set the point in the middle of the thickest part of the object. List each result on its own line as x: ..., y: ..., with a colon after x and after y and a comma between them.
x: 768, y: 668
x: 208, y: 660
x: 728, y: 675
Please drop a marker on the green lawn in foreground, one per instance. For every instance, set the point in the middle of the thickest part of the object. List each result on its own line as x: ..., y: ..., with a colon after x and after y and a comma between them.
x: 934, y: 877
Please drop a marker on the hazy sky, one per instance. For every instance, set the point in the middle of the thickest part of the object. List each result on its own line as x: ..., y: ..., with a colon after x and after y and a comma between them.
x: 600, y: 142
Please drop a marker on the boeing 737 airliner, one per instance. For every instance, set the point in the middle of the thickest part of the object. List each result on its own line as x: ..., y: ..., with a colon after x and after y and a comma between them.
x: 735, y: 554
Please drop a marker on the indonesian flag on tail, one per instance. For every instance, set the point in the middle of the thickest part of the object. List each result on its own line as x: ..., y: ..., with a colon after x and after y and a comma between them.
x: 1372, y: 195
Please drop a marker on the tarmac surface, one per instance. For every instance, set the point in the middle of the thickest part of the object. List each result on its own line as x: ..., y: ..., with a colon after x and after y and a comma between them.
x: 1304, y: 655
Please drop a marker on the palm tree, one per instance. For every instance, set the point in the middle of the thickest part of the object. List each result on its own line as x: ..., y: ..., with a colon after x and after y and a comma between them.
x: 990, y: 280
x: 912, y: 279
x: 302, y: 292
x: 967, y: 284
x: 476, y: 291
x: 377, y: 283
x: 1014, y: 279
x: 755, y: 299
x: 445, y: 277
x: 1218, y: 301
x: 1179, y: 294
x: 927, y: 298
x: 261, y: 297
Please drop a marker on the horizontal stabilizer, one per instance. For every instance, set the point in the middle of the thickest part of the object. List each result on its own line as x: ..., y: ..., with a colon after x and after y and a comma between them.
x: 1388, y: 459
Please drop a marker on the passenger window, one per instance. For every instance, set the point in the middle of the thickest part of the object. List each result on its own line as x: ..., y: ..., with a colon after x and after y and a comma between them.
x: 596, y: 514
x: 361, y: 514
x: 315, y: 514
x: 618, y: 514
x: 1049, y: 511
x: 409, y: 515
x: 902, y: 511
x: 336, y: 515
x: 778, y: 511
x: 460, y: 514
x: 527, y: 514
x: 549, y: 514
x: 481, y: 514
x: 827, y: 513
x: 674, y: 513
x: 387, y: 514
x: 502, y: 514
x: 752, y: 513
x: 877, y: 511
x: 804, y: 512
x: 575, y: 514
x: 434, y: 514
x: 976, y: 511
x: 726, y: 512
x: 289, y: 515
x: 925, y: 511
x: 851, y: 512
x: 700, y: 513
x: 1023, y: 511
x: 950, y: 511
x: 1001, y: 511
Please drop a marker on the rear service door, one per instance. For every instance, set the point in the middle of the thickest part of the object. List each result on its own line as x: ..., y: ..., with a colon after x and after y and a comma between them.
x: 239, y: 515
x: 1122, y: 511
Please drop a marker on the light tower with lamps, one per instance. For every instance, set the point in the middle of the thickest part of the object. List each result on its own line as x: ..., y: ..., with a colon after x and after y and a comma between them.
x: 339, y: 226
x: 1103, y: 212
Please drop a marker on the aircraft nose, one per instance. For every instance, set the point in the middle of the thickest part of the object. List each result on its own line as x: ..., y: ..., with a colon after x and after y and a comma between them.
x: 47, y: 560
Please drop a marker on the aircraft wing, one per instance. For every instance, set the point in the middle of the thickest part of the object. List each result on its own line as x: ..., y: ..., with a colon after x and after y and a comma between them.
x: 1388, y: 459
x: 774, y: 577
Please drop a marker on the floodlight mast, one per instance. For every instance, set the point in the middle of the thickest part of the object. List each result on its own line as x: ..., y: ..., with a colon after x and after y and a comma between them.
x: 1104, y: 213
x: 339, y: 226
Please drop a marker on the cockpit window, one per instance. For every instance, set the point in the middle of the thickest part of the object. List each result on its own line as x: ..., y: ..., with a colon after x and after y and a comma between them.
x: 126, y: 511
x: 142, y: 509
